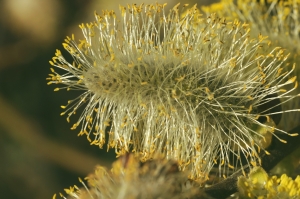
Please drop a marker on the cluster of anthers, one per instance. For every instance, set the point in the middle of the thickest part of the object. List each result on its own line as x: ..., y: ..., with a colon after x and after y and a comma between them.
x: 196, y: 89
x: 259, y: 185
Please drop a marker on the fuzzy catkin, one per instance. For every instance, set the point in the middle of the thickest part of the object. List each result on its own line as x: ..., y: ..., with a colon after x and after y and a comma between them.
x: 131, y: 179
x: 184, y: 85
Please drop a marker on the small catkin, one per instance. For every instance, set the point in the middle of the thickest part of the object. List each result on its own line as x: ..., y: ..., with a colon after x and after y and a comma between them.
x: 131, y: 179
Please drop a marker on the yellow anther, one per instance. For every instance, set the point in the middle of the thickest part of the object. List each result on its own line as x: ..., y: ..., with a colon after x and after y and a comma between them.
x: 74, y: 126
x: 249, y: 97
x: 131, y: 65
x: 222, y: 162
x: 143, y: 105
x: 253, y: 163
x: 296, y: 85
x: 66, y: 46
x: 175, y: 8
x: 58, y: 53
x: 112, y: 57
x: 230, y: 166
x: 283, y: 141
x: 250, y: 109
x: 179, y: 79
x: 89, y: 139
x: 292, y: 80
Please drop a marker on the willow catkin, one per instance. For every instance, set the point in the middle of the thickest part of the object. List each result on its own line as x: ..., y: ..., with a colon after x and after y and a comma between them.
x: 130, y: 179
x: 184, y: 85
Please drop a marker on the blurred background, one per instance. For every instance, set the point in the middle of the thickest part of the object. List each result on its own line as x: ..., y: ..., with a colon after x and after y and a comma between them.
x: 39, y: 154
